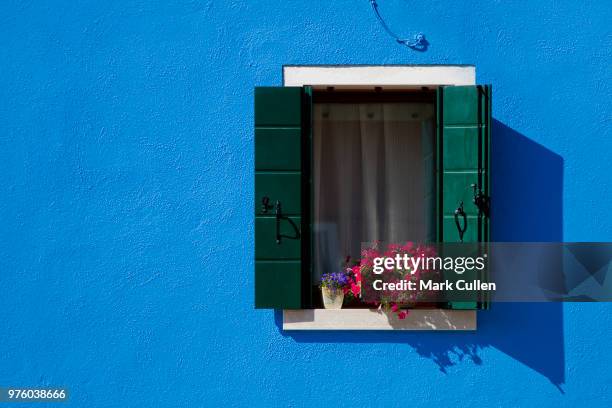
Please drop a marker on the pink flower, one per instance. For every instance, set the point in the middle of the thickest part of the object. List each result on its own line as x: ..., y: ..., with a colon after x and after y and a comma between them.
x: 394, y: 307
x: 355, y: 289
x: 357, y: 273
x: 402, y: 315
x: 389, y: 253
x: 408, y: 246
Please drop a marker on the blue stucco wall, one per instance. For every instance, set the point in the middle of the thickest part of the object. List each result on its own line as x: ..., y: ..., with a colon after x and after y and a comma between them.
x: 126, y: 168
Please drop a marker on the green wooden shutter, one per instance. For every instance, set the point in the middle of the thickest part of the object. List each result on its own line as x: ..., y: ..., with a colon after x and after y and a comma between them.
x: 464, y: 135
x: 282, y: 130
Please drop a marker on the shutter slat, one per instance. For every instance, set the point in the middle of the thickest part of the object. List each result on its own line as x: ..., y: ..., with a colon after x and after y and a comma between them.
x: 278, y: 107
x: 284, y: 187
x: 277, y: 148
x: 277, y: 284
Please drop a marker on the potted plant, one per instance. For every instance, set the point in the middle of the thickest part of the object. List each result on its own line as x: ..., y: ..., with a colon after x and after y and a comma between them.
x: 333, y: 286
x: 393, y: 302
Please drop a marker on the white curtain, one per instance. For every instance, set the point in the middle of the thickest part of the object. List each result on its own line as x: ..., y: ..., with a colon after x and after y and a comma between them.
x: 373, y: 173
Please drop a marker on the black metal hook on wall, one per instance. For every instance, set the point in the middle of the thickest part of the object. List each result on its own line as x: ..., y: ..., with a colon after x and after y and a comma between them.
x: 277, y: 212
x: 265, y: 207
x: 278, y: 215
x: 481, y: 201
x: 265, y: 204
x: 461, y: 212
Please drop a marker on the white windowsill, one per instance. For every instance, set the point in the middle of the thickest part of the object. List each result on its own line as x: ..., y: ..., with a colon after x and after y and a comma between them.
x: 372, y: 319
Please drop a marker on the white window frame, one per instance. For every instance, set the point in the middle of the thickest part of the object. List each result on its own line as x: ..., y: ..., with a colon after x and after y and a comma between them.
x: 386, y: 77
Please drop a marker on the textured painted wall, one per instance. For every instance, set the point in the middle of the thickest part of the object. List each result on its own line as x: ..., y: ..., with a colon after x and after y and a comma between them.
x: 126, y: 157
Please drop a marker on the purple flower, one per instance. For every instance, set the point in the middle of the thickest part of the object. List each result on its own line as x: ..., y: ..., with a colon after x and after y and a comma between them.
x: 334, y: 280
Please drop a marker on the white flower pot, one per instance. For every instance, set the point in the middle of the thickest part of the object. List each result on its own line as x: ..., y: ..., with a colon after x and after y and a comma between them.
x: 332, y: 298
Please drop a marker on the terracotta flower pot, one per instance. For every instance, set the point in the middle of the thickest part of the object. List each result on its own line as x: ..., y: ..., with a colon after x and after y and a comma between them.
x: 332, y: 298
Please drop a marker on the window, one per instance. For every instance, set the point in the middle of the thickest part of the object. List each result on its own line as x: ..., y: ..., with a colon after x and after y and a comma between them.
x: 373, y: 174
x: 359, y: 157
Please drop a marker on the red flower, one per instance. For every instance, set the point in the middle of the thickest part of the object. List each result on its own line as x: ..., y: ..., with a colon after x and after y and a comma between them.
x: 402, y: 315
x: 357, y: 273
x: 394, y: 307
x: 355, y: 289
